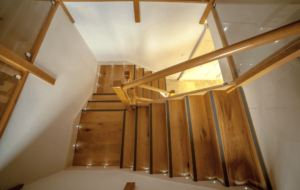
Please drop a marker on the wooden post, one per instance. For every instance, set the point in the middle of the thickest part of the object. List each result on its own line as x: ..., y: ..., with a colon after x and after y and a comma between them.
x: 117, y: 86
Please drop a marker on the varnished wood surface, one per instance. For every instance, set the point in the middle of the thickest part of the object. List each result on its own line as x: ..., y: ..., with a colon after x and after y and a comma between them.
x: 109, y: 73
x: 18, y: 62
x: 153, y: 89
x: 143, y: 141
x: 205, y: 141
x: 179, y: 138
x: 159, y: 139
x: 130, y: 186
x: 262, y: 39
x: 136, y: 7
x: 235, y: 139
x: 128, y: 149
x: 214, y: 140
x: 206, y: 12
x: 105, y: 97
x: 155, y: 95
x: 105, y: 105
x: 148, y: 93
x: 123, y: 96
x: 99, y: 139
x: 139, y: 73
x: 162, y: 85
x: 179, y: 1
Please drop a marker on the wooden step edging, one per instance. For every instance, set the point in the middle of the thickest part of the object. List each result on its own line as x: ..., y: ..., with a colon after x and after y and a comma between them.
x: 225, y: 175
x: 169, y: 140
x: 190, y: 130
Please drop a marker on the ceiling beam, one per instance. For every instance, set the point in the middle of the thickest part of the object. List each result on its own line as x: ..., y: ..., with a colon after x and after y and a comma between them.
x: 136, y: 7
x: 206, y: 11
x: 179, y: 1
x: 66, y: 11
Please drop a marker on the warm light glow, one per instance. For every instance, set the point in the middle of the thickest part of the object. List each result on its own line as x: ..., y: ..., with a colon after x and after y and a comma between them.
x: 165, y: 174
x: 214, y: 181
x: 225, y: 28
x: 73, y: 144
x: 77, y: 126
x: 187, y: 177
x: 261, y: 28
x: 246, y: 188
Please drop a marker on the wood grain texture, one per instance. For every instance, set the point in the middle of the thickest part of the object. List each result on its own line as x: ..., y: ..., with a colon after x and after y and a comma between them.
x: 179, y: 138
x: 105, y: 105
x: 151, y: 88
x: 66, y: 11
x: 139, y: 73
x: 11, y: 103
x: 130, y: 186
x: 206, y: 12
x: 235, y: 139
x: 159, y: 139
x: 136, y: 7
x: 109, y: 73
x: 155, y: 95
x: 128, y: 155
x: 143, y: 141
x: 117, y: 87
x: 214, y: 140
x: 162, y: 85
x: 148, y: 93
x: 179, y: 1
x: 99, y: 139
x: 205, y: 141
x: 105, y: 97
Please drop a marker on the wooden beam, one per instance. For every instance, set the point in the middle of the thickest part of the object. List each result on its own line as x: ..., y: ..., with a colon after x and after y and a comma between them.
x: 277, y: 34
x: 206, y: 11
x: 123, y: 96
x: 18, y: 62
x: 130, y: 186
x: 41, y: 36
x: 224, y: 40
x: 66, y: 11
x: 277, y: 59
x: 11, y: 103
x: 136, y: 7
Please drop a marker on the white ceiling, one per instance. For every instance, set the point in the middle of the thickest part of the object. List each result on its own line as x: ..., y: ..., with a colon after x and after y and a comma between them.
x: 166, y: 35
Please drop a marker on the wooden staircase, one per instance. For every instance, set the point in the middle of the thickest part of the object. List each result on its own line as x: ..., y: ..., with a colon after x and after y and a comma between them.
x: 203, y: 137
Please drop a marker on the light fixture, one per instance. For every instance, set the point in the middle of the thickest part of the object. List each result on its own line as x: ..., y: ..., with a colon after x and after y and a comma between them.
x: 87, y: 167
x: 53, y: 2
x: 84, y: 108
x: 147, y: 171
x: 225, y: 28
x: 73, y: 144
x: 261, y: 28
x: 187, y: 178
x: 246, y: 188
x: 104, y: 167
x: 214, y: 181
x: 77, y: 126
x: 27, y: 54
x: 98, y: 73
x: 240, y: 64
x: 165, y: 174
x: 276, y: 41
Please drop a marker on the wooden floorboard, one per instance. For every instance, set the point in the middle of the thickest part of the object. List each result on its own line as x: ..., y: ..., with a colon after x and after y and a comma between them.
x: 179, y: 138
x: 128, y: 150
x: 143, y: 141
x: 99, y: 139
x: 235, y: 139
x: 105, y: 105
x: 110, y: 73
x: 159, y: 139
x: 205, y: 140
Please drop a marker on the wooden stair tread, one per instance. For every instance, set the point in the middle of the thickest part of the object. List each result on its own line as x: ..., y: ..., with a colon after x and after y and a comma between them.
x: 94, y: 105
x: 129, y: 135
x: 103, y: 97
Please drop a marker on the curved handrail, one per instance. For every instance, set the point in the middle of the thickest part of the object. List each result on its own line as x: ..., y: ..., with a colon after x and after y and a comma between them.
x: 268, y: 37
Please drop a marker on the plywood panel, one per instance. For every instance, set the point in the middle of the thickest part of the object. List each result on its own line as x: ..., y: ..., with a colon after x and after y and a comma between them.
x: 99, y: 139
x: 235, y: 138
x: 105, y: 105
x: 105, y: 97
x: 139, y: 73
x: 143, y: 141
x: 155, y: 95
x: 159, y: 139
x: 128, y: 149
x: 179, y: 138
x: 148, y: 93
x: 205, y: 139
x: 109, y: 73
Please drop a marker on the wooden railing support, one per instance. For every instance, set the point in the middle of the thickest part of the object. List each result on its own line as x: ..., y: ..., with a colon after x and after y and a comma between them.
x: 123, y: 96
x: 143, y: 99
x: 154, y: 89
x: 277, y: 34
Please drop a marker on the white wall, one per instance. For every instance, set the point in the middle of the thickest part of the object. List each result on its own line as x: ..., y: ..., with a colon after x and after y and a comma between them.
x: 113, y: 178
x: 274, y: 103
x: 37, y: 138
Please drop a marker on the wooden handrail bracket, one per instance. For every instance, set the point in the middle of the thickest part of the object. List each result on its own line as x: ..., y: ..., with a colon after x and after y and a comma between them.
x: 117, y: 86
x: 154, y: 89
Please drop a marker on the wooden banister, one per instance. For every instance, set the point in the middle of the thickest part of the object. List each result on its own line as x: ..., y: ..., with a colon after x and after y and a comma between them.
x: 117, y: 86
x: 154, y: 89
x: 143, y: 99
x: 268, y: 37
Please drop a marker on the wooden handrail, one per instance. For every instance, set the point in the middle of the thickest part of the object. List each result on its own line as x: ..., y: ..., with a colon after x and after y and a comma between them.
x: 277, y: 34
x: 196, y: 92
x: 143, y: 99
x: 123, y: 96
x: 154, y: 89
